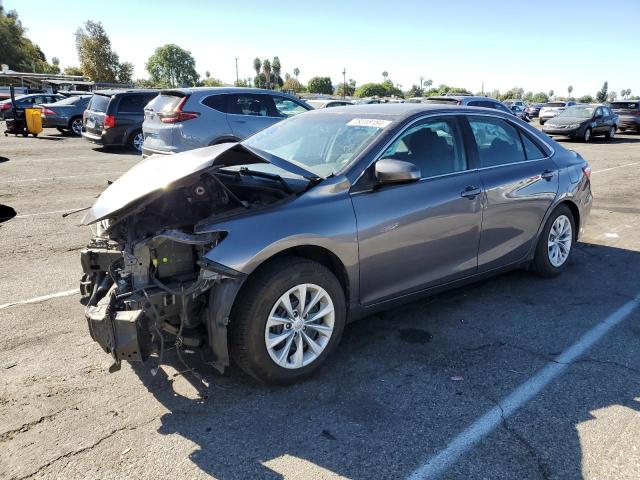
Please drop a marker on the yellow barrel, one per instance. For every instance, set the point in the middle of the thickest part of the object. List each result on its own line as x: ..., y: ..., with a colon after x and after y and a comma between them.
x: 34, y: 120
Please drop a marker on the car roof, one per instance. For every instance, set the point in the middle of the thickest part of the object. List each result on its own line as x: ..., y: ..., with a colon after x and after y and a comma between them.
x: 114, y: 91
x: 460, y: 97
x: 190, y: 90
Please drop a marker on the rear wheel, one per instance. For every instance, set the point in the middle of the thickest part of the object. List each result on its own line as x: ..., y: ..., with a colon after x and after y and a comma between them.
x: 135, y: 141
x: 287, y: 320
x: 542, y: 122
x: 586, y: 136
x: 622, y: 129
x: 555, y: 243
x: 75, y: 126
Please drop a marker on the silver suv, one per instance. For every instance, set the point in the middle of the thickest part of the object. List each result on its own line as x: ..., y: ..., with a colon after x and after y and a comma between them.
x: 187, y: 118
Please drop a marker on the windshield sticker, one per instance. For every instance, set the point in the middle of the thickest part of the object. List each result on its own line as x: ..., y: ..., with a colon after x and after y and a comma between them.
x: 369, y: 122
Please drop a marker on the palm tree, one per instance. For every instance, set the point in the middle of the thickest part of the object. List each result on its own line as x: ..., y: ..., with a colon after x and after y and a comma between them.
x: 296, y: 72
x: 276, y: 67
x: 427, y: 83
x: 569, y: 89
x: 385, y: 74
x: 266, y: 69
x: 207, y: 74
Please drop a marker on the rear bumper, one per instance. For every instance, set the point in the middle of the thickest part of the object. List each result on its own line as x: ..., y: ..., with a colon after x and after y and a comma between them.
x: 629, y: 121
x: 97, y: 139
x: 108, y: 137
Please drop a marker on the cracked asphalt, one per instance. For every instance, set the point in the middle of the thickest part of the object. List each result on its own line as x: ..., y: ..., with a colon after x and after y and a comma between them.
x: 402, y: 385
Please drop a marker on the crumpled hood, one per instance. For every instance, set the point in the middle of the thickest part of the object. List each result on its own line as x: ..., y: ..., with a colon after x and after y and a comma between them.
x: 161, y: 172
x: 154, y: 173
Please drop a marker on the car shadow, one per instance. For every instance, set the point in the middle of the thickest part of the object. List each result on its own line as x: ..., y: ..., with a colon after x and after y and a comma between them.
x: 3, y: 159
x: 598, y: 140
x: 384, y: 400
x: 6, y: 213
x: 117, y: 150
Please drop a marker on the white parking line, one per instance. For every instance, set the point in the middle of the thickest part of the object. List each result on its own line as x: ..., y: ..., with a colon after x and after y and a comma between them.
x: 41, y: 179
x: 66, y: 293
x: 486, y: 424
x: 614, y: 168
x: 26, y: 215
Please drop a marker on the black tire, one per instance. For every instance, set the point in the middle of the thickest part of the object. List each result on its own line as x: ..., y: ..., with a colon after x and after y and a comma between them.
x: 587, y: 135
x: 541, y: 264
x: 133, y: 144
x: 253, y: 305
x: 611, y: 133
x: 622, y: 129
x: 542, y: 121
x: 63, y: 131
x: 75, y: 126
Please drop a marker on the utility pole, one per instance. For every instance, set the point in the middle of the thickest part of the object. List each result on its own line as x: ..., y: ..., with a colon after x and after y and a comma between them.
x: 344, y: 80
x: 237, y: 78
x: 483, y: 87
x: 421, y: 81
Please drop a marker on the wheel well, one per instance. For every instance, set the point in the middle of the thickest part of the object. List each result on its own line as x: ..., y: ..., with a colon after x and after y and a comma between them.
x: 320, y: 255
x: 575, y: 212
x: 224, y: 140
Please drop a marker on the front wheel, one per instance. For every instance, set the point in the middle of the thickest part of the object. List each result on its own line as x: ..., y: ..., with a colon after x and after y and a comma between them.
x: 611, y: 133
x: 555, y: 243
x: 287, y: 320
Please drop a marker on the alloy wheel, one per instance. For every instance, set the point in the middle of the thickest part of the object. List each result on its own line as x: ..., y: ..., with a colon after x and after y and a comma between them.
x: 76, y: 126
x: 587, y: 135
x: 612, y: 132
x: 137, y: 141
x: 300, y: 326
x: 559, y: 241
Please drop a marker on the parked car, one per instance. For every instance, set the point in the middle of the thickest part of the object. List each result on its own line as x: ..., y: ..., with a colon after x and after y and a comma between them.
x: 469, y: 101
x: 187, y: 118
x: 367, y: 101
x: 628, y: 112
x: 65, y: 114
x: 26, y: 101
x: 533, y: 110
x: 263, y: 250
x: 114, y: 117
x: 515, y: 101
x: 551, y: 109
x: 520, y: 112
x: 328, y: 103
x: 583, y: 122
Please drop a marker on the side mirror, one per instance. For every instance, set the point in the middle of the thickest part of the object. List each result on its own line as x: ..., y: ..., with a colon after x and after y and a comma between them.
x: 389, y: 170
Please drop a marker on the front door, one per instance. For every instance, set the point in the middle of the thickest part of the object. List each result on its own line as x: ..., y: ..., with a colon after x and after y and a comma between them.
x: 250, y: 113
x: 520, y: 183
x: 417, y: 235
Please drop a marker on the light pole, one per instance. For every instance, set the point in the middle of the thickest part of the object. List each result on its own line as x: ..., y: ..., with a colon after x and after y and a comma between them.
x: 344, y: 82
x: 237, y: 78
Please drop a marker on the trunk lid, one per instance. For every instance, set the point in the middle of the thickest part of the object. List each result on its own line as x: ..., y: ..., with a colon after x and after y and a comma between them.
x: 93, y: 117
x: 157, y: 134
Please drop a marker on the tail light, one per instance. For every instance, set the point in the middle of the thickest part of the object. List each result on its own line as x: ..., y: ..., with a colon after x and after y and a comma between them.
x: 109, y: 121
x: 5, y: 106
x: 587, y: 171
x: 178, y: 115
x: 47, y: 111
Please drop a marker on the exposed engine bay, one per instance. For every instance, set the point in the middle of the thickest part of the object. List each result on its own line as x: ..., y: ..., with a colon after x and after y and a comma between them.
x: 146, y: 282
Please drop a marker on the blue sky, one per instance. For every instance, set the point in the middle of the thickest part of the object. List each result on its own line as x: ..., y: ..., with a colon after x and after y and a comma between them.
x: 539, y: 45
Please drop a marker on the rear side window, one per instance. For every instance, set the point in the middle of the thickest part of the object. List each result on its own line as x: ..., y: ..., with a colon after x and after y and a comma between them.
x: 133, y: 103
x: 217, y: 102
x: 99, y: 103
x: 498, y: 142
x: 164, y: 103
x: 252, y: 105
x: 288, y: 108
x: 532, y: 151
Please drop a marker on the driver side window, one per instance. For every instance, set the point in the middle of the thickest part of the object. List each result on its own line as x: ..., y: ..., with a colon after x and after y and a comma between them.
x: 434, y: 146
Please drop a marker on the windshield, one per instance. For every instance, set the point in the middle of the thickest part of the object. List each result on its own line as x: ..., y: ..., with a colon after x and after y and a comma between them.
x: 578, y: 112
x: 99, y: 103
x: 323, y: 144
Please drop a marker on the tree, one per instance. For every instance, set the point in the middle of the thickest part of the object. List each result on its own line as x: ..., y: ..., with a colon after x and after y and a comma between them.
x: 601, y: 95
x: 207, y: 74
x: 172, y: 66
x: 320, y: 85
x: 427, y: 83
x: 540, y: 97
x: 17, y: 51
x: 385, y: 75
x: 570, y: 89
x: 242, y: 82
x: 97, y: 60
x: 346, y: 90
x: 612, y: 96
x: 296, y: 72
x: 586, y: 99
x: 125, y: 73
x: 292, y: 84
x: 276, y: 67
x: 415, y: 91
x: 72, y: 71
x: 266, y: 71
x: 551, y: 92
x: 212, y: 82
x: 257, y: 65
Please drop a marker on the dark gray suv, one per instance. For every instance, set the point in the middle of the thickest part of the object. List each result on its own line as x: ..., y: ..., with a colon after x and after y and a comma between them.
x: 187, y: 118
x: 263, y: 250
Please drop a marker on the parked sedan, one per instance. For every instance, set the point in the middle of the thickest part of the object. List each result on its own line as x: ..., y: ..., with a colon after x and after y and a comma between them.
x: 66, y: 114
x: 187, y: 118
x: 551, y: 109
x: 263, y: 250
x: 533, y: 110
x: 328, y: 103
x: 26, y: 101
x: 583, y: 122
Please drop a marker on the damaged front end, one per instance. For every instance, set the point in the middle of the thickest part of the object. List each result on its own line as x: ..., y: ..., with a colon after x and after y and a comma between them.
x: 146, y: 282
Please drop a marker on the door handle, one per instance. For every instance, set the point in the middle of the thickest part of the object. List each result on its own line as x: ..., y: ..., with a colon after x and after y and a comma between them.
x: 471, y: 192
x: 547, y: 174
x: 239, y: 121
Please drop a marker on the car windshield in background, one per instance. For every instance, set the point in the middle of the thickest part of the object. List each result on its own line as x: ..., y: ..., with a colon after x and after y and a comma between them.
x: 554, y: 104
x: 164, y: 103
x: 99, y: 103
x: 323, y: 144
x: 578, y: 112
x: 624, y: 105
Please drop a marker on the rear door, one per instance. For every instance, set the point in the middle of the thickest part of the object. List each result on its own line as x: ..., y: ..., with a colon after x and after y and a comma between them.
x: 520, y: 183
x: 95, y: 113
x: 250, y: 113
